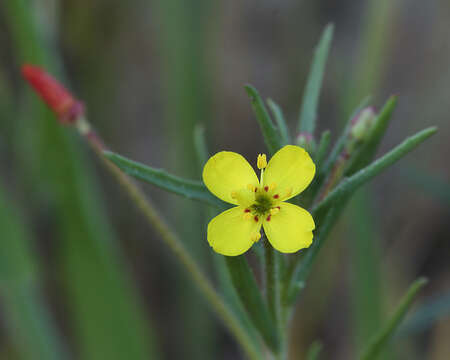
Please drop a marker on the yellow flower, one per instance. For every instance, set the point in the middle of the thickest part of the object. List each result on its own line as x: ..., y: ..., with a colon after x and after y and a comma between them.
x: 260, y: 202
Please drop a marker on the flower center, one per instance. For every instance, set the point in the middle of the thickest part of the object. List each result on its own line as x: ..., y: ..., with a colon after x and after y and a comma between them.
x: 262, y: 205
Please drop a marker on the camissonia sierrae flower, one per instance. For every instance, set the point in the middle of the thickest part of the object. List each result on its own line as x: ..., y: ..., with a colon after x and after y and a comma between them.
x: 260, y: 202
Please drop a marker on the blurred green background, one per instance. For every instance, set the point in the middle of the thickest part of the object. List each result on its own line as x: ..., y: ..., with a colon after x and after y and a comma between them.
x: 83, y: 276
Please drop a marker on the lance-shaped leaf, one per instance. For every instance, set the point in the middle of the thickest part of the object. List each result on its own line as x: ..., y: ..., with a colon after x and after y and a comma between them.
x: 367, y: 152
x: 350, y: 184
x: 191, y: 189
x: 250, y: 295
x: 322, y: 148
x: 270, y: 133
x: 381, y: 339
x: 280, y: 120
x: 308, y: 111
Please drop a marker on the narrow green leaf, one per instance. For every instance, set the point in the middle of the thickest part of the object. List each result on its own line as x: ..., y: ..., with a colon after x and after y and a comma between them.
x: 322, y: 148
x: 280, y: 120
x: 350, y: 184
x: 308, y: 111
x: 381, y: 339
x: 190, y: 189
x: 271, y: 134
x: 30, y: 326
x: 250, y: 295
x: 366, y: 154
x: 314, y: 351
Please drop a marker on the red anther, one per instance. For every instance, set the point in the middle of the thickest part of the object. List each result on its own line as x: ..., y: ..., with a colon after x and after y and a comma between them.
x: 256, y: 189
x: 57, y: 97
x: 276, y: 196
x: 279, y: 208
x: 247, y: 210
x: 266, y: 188
x: 269, y: 217
x: 256, y: 218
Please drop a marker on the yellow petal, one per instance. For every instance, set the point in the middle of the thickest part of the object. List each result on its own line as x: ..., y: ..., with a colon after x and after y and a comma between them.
x: 230, y: 234
x: 290, y: 229
x: 228, y: 172
x: 291, y: 169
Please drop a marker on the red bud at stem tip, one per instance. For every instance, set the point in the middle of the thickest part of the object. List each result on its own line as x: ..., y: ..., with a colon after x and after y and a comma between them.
x: 57, y: 97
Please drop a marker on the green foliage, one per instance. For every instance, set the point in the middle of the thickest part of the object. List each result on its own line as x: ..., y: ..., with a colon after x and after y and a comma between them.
x: 308, y: 112
x: 246, y: 287
x: 32, y: 330
x: 272, y: 136
x: 381, y: 339
x: 280, y: 120
x: 368, y: 150
x: 322, y: 148
x: 351, y: 184
x: 314, y: 351
x: 190, y: 189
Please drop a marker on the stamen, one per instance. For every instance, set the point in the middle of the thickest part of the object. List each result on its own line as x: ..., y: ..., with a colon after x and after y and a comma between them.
x: 256, y: 237
x: 276, y: 196
x: 251, y: 187
x: 256, y: 218
x: 266, y: 188
x: 274, y: 211
x: 289, y: 192
x: 269, y: 217
x: 261, y: 162
x: 247, y: 210
x: 247, y: 216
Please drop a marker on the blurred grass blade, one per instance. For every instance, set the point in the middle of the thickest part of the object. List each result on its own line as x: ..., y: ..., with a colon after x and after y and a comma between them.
x: 322, y: 148
x: 270, y: 133
x: 426, y: 316
x: 381, y: 339
x: 314, y: 351
x: 308, y: 111
x: 350, y: 184
x: 366, y: 154
x: 31, y: 328
x: 280, y: 120
x: 92, y: 266
x: 191, y: 189
x: 201, y: 149
x: 246, y: 287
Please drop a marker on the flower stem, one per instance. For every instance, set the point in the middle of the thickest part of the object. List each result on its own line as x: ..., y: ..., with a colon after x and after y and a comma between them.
x: 172, y: 241
x: 273, y: 289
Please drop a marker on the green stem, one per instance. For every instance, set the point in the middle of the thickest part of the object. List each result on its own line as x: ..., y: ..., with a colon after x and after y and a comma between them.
x: 172, y: 241
x: 273, y: 289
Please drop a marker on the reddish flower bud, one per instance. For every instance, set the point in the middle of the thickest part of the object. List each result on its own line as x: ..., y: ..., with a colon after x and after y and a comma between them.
x: 57, y: 97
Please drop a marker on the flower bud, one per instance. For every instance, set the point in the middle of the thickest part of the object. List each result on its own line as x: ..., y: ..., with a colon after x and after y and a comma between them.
x: 58, y: 99
x: 362, y: 123
x: 306, y: 141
